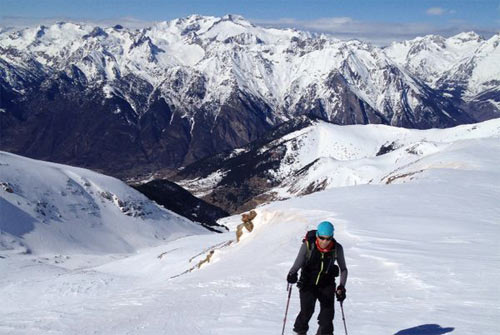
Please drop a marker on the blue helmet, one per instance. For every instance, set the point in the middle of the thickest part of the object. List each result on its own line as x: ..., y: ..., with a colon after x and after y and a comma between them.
x: 325, y: 228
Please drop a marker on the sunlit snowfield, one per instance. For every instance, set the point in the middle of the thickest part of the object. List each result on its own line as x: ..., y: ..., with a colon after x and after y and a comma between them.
x: 423, y: 253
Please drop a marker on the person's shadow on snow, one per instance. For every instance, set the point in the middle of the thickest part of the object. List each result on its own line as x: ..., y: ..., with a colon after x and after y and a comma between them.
x: 425, y: 330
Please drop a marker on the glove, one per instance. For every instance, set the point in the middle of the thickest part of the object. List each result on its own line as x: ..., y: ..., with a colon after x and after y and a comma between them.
x: 340, y: 293
x: 292, y: 278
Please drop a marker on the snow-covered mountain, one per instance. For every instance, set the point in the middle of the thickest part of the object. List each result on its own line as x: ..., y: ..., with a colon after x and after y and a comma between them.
x: 315, y: 155
x: 422, y: 256
x: 432, y: 57
x: 181, y: 90
x: 465, y: 67
x: 52, y: 208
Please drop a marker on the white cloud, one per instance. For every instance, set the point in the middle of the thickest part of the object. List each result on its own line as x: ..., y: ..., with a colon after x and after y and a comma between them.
x: 436, y: 11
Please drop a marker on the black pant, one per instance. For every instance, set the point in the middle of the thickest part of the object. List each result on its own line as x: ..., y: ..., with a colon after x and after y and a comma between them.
x: 308, y: 297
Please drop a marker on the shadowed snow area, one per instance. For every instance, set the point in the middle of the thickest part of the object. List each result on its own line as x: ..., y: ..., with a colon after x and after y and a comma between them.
x: 423, y: 258
x: 14, y: 220
x: 425, y: 330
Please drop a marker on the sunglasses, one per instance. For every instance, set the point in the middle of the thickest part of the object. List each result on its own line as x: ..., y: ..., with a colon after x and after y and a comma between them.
x: 324, y: 238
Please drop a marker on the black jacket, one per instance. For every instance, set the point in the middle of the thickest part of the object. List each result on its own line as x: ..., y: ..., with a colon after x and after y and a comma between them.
x: 318, y: 268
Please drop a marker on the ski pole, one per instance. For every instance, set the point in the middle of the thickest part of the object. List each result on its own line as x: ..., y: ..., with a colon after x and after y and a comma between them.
x: 343, y: 316
x: 289, y: 289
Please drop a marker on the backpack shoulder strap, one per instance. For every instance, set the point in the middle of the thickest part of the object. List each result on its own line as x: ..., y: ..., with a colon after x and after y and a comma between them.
x: 309, y: 241
x: 334, y: 251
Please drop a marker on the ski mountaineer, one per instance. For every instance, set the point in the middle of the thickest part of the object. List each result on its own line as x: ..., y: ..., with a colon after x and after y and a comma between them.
x: 316, y: 259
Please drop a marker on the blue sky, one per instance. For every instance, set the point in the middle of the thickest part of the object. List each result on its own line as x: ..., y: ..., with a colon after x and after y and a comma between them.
x: 365, y: 19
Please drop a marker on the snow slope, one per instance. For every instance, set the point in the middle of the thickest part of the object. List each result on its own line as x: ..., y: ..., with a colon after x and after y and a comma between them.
x: 420, y: 254
x: 325, y: 155
x: 47, y: 207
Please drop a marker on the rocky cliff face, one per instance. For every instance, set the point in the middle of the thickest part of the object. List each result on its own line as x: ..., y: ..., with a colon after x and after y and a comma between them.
x: 133, y: 101
x: 238, y: 180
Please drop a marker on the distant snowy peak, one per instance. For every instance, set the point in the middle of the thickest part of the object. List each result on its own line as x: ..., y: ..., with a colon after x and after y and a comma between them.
x: 462, y: 59
x: 467, y: 37
x: 458, y: 46
x: 280, y: 67
x: 188, y: 88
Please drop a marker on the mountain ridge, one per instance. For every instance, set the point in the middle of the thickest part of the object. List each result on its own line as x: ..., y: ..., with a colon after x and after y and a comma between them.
x: 312, y: 155
x: 185, y: 89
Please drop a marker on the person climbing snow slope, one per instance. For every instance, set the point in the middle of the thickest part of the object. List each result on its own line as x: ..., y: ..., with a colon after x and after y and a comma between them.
x: 316, y: 260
